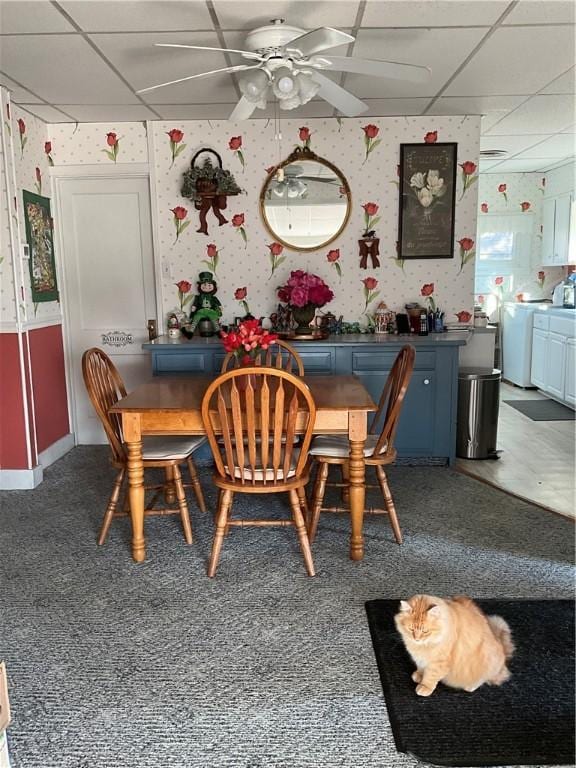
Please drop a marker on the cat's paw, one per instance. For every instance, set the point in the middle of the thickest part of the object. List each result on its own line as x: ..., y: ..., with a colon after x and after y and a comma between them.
x: 423, y: 690
x: 417, y: 676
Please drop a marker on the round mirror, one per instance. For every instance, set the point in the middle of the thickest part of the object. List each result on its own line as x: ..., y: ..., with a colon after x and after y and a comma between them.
x: 305, y: 202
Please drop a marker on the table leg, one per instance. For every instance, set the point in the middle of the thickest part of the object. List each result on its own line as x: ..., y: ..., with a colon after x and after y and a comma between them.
x: 133, y: 439
x: 357, y: 430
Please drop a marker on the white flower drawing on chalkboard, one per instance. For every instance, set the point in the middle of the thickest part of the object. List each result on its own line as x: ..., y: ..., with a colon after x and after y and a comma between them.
x: 428, y: 187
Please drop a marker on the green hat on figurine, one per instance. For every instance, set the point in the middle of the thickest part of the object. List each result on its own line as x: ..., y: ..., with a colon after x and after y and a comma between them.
x: 205, y: 277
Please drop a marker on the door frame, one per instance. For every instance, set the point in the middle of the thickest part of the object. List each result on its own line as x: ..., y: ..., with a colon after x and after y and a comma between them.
x: 59, y: 174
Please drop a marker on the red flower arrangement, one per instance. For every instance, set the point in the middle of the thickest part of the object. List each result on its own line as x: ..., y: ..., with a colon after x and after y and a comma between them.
x: 305, y: 289
x: 247, y: 341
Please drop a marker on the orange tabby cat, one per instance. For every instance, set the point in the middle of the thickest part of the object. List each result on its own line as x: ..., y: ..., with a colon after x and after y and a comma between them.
x: 453, y: 642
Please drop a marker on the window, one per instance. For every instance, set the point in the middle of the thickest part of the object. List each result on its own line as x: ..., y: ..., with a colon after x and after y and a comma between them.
x: 504, y: 247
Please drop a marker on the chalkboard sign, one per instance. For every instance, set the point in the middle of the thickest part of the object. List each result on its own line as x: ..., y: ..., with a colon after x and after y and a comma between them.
x: 427, y: 201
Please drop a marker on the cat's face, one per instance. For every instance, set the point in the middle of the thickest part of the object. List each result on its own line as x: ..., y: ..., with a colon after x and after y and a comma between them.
x: 420, y: 619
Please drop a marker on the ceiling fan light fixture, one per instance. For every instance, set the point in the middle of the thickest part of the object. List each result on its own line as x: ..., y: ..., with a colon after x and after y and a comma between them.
x: 284, y: 84
x: 253, y: 86
x: 307, y: 88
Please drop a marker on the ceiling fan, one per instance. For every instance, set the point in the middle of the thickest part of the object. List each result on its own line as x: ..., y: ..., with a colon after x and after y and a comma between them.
x: 289, y: 63
x: 290, y: 181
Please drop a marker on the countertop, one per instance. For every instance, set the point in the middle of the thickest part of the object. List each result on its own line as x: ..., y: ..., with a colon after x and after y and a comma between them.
x: 450, y: 338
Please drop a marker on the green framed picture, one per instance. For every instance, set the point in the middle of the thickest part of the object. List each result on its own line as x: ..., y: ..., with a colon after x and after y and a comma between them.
x: 39, y: 236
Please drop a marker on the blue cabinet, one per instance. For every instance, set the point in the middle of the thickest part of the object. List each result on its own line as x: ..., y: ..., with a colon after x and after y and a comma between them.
x: 427, y: 427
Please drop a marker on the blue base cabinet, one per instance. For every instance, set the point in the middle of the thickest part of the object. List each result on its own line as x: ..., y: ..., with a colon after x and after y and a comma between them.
x: 427, y: 427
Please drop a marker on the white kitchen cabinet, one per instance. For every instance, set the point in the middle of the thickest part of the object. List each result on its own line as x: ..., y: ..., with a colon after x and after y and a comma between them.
x: 556, y: 216
x: 538, y: 365
x: 570, y: 373
x: 556, y: 365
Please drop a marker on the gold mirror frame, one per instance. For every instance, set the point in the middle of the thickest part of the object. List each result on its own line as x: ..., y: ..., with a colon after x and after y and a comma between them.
x: 299, y: 154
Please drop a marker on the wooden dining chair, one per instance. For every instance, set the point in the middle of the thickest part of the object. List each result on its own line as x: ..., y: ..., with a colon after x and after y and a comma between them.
x: 278, y: 355
x: 256, y: 411
x: 378, y: 451
x: 105, y: 387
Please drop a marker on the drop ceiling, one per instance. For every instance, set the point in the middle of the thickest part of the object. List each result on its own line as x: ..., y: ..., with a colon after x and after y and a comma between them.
x: 510, y: 61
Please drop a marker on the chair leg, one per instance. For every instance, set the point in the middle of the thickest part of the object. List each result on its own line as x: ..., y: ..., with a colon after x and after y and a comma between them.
x: 389, y: 503
x: 301, y: 531
x: 169, y: 490
x: 303, y: 504
x: 224, y: 504
x: 181, y: 496
x: 196, y: 484
x: 317, y: 499
x: 111, y: 508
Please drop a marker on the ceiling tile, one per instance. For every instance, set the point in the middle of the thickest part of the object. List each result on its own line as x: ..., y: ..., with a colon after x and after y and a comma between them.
x: 432, y: 13
x: 103, y: 113
x: 63, y: 69
x: 539, y: 12
x: 31, y: 16
x: 503, y: 65
x: 439, y: 49
x: 540, y: 114
x: 556, y: 147
x: 394, y: 107
x: 194, y: 111
x: 511, y: 144
x: 566, y: 83
x: 517, y: 165
x: 492, y: 108
x: 485, y: 165
x: 48, y: 114
x: 151, y: 15
x: 144, y: 65
x: 18, y: 95
x: 566, y: 161
x: 306, y: 14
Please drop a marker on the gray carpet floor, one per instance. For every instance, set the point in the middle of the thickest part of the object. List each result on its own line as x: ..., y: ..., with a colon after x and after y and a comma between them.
x: 117, y: 665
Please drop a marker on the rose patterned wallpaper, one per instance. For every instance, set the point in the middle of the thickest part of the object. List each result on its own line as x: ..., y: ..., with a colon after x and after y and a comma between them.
x: 243, y: 254
x: 520, y: 193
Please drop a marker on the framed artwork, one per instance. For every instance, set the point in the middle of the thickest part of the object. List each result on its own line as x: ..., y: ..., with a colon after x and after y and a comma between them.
x: 427, y: 201
x: 39, y: 235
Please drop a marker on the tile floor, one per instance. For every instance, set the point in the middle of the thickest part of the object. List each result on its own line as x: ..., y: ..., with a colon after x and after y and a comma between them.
x: 537, y: 460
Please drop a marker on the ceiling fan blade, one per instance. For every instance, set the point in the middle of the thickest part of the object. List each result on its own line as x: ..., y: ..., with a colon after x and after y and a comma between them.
x: 318, y: 40
x: 247, y: 54
x: 237, y: 68
x: 391, y: 69
x: 243, y: 110
x: 344, y: 101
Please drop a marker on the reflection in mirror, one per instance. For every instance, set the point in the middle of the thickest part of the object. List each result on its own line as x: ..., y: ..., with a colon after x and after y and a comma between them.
x: 305, y: 202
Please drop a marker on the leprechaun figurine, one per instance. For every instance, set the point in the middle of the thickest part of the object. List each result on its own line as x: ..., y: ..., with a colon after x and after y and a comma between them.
x: 205, y: 305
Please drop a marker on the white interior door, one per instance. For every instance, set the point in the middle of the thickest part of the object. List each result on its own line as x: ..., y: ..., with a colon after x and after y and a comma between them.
x: 106, y: 241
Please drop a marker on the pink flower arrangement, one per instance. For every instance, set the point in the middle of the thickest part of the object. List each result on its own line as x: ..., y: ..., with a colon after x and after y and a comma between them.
x: 247, y: 340
x: 304, y: 289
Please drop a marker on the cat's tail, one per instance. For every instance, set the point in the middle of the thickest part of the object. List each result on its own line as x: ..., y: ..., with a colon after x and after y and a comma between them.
x: 503, y: 634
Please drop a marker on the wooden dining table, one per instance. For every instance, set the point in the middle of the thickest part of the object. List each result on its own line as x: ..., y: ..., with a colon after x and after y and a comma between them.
x: 172, y: 406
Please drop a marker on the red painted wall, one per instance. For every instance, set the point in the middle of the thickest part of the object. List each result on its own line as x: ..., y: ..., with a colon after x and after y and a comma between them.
x: 12, y: 423
x: 49, y: 383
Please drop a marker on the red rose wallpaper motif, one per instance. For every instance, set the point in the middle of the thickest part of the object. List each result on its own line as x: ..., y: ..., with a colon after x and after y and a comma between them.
x: 467, y: 251
x: 541, y: 278
x: 48, y: 152
x: 370, y: 293
x: 427, y: 291
x: 178, y: 215
x: 184, y: 295
x: 431, y: 137
x: 370, y: 133
x: 238, y: 224
x: 305, y: 136
x: 235, y: 144
x: 502, y: 189
x: 370, y: 218
x: 213, y: 257
x: 240, y: 295
x: 525, y: 206
x: 484, y: 207
x: 22, y: 134
x: 176, y: 147
x: 469, y: 175
x: 333, y: 257
x: 114, y: 143
x: 38, y: 181
x: 276, y: 257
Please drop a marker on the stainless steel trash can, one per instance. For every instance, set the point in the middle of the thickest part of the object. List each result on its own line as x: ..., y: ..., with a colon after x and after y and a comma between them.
x: 477, y: 421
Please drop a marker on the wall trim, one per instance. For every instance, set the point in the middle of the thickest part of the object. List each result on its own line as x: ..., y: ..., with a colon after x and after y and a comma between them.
x: 20, y: 479
x: 32, y: 325
x: 97, y: 171
x: 8, y: 326
x: 56, y: 450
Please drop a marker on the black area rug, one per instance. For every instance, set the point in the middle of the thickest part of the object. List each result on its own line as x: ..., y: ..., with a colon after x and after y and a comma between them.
x: 542, y: 410
x: 529, y: 720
